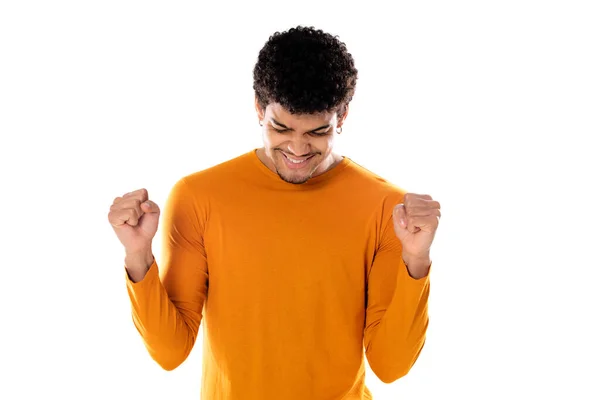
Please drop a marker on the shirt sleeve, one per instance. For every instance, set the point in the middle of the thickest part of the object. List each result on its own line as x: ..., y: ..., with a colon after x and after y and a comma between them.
x: 397, y: 314
x: 167, y: 303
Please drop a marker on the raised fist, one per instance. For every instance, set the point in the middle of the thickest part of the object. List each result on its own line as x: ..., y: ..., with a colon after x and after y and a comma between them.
x: 134, y: 219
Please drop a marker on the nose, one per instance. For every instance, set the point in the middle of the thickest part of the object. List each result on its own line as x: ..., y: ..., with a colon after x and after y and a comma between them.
x: 299, y: 147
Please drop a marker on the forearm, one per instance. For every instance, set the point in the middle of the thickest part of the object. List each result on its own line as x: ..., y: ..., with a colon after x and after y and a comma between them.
x: 396, y: 341
x: 168, y: 333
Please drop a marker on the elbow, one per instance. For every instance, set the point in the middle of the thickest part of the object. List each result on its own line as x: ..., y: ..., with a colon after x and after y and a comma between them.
x: 169, y: 362
x: 168, y: 365
x: 389, y: 374
x: 390, y: 370
x: 170, y: 358
x: 168, y: 344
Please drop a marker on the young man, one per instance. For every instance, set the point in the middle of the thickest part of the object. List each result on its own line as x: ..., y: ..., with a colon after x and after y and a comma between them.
x: 293, y: 256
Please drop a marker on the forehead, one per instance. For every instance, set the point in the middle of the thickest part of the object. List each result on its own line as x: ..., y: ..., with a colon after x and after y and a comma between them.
x: 277, y: 111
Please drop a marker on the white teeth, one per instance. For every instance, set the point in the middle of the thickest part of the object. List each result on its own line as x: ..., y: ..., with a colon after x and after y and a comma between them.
x: 294, y: 161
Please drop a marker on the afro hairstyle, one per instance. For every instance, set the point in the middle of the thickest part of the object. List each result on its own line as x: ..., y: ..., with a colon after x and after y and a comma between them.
x: 305, y: 70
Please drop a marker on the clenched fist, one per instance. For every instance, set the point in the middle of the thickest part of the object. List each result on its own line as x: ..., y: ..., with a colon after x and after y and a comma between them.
x: 134, y: 219
x: 415, y: 223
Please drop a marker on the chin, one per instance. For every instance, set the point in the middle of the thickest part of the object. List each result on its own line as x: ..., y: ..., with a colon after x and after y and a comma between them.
x: 294, y: 179
x: 293, y: 176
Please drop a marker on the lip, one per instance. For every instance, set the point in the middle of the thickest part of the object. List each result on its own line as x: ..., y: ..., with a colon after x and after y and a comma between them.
x: 291, y: 165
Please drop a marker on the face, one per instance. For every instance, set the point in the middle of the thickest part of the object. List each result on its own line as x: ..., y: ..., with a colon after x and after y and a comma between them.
x: 298, y: 146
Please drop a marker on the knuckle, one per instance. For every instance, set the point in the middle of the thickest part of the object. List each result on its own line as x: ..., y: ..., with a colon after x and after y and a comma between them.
x: 112, y: 218
x: 137, y: 213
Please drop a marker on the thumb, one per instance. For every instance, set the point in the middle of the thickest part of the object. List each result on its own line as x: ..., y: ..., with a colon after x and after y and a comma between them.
x: 400, y: 222
x: 400, y: 215
x: 150, y: 207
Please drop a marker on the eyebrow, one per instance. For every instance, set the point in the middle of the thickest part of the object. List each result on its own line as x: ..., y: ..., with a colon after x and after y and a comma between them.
x: 285, y: 127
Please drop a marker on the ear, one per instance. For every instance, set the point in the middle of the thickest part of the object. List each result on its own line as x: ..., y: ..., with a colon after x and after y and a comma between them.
x: 343, y: 117
x: 259, y: 111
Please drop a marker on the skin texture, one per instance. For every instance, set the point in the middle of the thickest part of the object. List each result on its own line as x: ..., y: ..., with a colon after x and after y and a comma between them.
x: 134, y: 218
x: 298, y: 141
x: 415, y: 222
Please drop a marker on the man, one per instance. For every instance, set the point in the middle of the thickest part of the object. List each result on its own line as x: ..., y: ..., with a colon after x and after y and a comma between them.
x: 292, y: 255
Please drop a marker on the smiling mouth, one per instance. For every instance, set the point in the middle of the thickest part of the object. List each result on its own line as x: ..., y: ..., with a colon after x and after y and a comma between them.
x: 297, y: 159
x: 293, y: 162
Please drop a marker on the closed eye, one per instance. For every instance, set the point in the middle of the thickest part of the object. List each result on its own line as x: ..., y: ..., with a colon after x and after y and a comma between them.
x: 312, y: 133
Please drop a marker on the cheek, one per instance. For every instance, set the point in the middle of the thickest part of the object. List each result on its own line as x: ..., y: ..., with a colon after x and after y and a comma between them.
x: 271, y: 140
x: 326, y: 145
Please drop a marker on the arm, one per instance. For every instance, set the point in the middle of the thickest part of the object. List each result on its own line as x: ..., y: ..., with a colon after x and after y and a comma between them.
x: 167, y: 306
x: 397, y: 315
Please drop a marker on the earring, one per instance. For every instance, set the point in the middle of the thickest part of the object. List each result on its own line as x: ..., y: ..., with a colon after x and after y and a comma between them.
x: 260, y: 122
x: 340, y: 131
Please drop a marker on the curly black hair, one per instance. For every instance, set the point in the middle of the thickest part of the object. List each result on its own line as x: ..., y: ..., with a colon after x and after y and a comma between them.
x: 305, y: 70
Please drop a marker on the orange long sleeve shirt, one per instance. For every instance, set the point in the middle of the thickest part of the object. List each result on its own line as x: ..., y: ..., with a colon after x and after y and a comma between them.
x: 290, y: 282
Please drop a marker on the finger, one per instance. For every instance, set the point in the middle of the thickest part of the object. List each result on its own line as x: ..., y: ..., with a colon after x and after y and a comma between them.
x: 125, y: 216
x: 130, y: 216
x: 150, y: 207
x: 420, y: 202
x: 430, y: 221
x: 141, y: 194
x: 421, y: 211
x: 425, y: 196
x: 433, y: 204
x: 415, y: 196
x: 400, y: 214
x: 128, y: 202
x: 133, y: 192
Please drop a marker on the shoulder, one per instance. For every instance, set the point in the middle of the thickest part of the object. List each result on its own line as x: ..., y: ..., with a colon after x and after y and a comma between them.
x: 373, y: 184
x: 218, y: 175
x: 203, y: 185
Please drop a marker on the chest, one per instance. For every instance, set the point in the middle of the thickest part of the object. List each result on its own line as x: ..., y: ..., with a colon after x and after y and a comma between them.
x: 286, y: 245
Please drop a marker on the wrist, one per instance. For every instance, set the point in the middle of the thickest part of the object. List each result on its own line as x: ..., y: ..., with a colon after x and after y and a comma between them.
x: 144, y: 253
x: 138, y: 263
x: 417, y: 266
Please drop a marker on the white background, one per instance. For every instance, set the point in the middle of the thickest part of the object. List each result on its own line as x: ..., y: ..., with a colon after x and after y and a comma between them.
x: 490, y: 107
